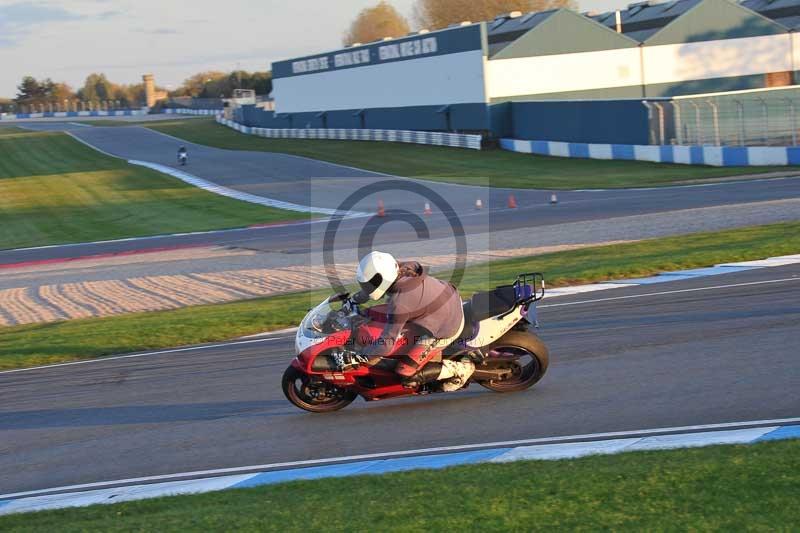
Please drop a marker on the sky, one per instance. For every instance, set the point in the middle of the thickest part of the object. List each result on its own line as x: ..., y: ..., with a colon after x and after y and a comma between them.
x: 68, y: 39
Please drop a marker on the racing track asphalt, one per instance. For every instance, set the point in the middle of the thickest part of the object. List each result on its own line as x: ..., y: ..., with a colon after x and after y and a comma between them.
x: 310, y: 182
x: 682, y: 358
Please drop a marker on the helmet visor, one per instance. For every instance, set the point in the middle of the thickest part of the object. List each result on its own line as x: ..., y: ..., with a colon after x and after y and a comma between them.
x: 372, y: 285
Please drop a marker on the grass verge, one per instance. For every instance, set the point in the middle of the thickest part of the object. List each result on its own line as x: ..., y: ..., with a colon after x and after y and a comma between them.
x: 55, y: 190
x: 38, y: 344
x: 11, y: 130
x: 491, y: 167
x: 717, y: 488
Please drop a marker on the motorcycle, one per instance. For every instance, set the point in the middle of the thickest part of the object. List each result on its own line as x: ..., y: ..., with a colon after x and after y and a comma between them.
x: 498, y: 336
x: 183, y: 159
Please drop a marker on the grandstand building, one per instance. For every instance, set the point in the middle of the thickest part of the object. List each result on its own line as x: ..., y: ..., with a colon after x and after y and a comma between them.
x: 459, y: 78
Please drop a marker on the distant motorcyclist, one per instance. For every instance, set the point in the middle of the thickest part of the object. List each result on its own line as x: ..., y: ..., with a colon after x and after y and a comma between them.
x: 430, y: 309
x: 183, y: 155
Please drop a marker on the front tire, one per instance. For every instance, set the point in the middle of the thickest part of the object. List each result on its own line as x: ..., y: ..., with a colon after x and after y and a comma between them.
x: 314, y: 397
x: 511, y: 349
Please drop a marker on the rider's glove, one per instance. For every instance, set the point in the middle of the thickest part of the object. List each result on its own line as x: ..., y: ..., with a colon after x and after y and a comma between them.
x: 344, y: 362
x: 360, y: 358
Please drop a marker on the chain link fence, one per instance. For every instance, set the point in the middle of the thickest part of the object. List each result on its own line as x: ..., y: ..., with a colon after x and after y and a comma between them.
x: 761, y: 117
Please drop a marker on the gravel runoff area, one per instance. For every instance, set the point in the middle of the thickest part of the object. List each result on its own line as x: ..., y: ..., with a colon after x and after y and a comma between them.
x: 205, y: 275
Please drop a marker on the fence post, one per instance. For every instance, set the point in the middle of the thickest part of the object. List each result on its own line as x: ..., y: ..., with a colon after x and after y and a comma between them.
x: 660, y: 122
x: 678, y: 121
x: 649, y: 107
x: 698, y: 133
x: 765, y: 110
x: 793, y: 118
x: 715, y: 117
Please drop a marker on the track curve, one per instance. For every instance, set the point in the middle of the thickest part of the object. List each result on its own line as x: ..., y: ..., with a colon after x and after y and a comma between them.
x: 310, y: 182
x: 721, y: 355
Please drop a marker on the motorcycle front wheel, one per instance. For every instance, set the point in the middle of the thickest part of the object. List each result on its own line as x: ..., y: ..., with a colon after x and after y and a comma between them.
x: 521, y: 352
x: 314, y: 396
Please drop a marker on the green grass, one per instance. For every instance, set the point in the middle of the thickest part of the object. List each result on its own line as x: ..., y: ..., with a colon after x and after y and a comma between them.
x: 55, y: 190
x: 37, y: 344
x: 11, y: 130
x: 718, y: 488
x: 491, y: 167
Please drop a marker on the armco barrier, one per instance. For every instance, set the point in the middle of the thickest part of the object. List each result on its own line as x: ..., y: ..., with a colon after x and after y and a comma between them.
x: 72, y: 114
x: 718, y: 156
x: 187, y: 111
x: 455, y: 140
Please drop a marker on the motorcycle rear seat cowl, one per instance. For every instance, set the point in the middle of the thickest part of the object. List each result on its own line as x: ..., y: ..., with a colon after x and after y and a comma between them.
x: 481, y: 306
x: 487, y: 304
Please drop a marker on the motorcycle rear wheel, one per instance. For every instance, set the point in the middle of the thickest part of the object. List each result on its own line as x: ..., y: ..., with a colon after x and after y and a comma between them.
x: 302, y: 392
x: 517, y: 345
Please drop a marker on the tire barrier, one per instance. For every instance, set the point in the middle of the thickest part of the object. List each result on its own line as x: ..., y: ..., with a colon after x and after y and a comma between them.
x: 453, y: 140
x: 72, y: 114
x: 187, y: 111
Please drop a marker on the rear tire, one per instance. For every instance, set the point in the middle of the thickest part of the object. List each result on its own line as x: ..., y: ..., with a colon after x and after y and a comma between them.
x: 523, y: 344
x: 299, y: 389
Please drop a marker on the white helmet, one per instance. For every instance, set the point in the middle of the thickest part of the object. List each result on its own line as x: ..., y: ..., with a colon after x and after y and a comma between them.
x: 376, y: 272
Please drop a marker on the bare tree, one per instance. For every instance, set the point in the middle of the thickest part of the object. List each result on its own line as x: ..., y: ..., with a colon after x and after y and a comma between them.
x: 375, y: 23
x: 436, y: 14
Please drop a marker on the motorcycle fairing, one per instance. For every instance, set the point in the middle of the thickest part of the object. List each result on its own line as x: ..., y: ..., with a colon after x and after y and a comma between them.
x: 316, y: 346
x: 489, y: 330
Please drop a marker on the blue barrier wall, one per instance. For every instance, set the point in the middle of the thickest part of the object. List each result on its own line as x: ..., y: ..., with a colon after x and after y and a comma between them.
x: 584, y: 121
x: 462, y: 117
x: 470, y: 117
x: 423, y: 118
x: 589, y: 121
x: 500, y: 120
x: 343, y: 119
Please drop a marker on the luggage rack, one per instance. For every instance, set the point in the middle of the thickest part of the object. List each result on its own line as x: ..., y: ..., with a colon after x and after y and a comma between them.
x: 529, y: 287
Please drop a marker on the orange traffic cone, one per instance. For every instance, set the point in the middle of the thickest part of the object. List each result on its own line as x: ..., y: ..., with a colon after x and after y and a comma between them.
x: 478, y: 204
x: 512, y: 202
x: 381, y: 210
x: 428, y: 210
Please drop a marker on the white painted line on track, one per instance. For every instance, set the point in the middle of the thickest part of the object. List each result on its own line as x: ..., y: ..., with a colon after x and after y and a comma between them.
x: 404, y: 453
x: 677, y: 291
x: 256, y: 227
x: 220, y: 190
x: 145, y: 354
x: 168, y: 235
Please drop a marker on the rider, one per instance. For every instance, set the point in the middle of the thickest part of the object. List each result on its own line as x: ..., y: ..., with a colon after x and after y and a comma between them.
x: 431, y: 311
x: 182, y: 153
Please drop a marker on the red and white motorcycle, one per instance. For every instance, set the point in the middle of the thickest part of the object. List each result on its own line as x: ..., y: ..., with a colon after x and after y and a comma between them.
x: 498, y: 336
